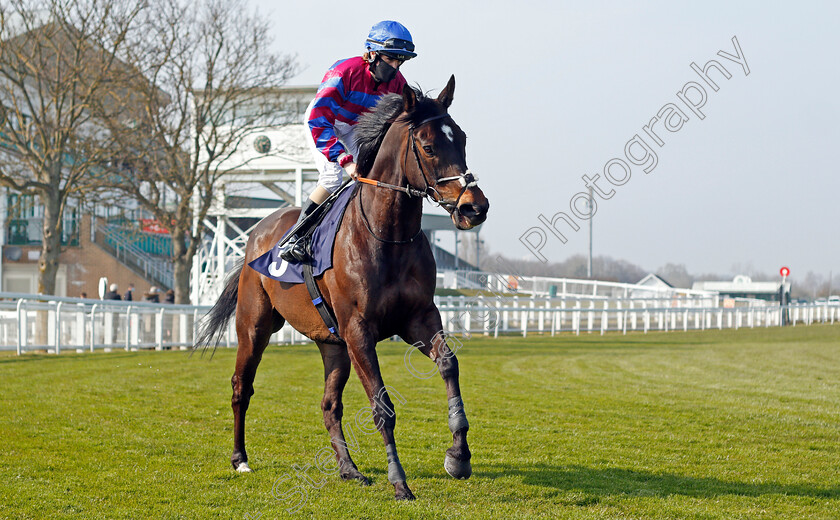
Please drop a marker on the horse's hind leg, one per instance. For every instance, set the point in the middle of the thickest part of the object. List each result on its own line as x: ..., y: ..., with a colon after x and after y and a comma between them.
x: 336, y: 372
x: 256, y: 321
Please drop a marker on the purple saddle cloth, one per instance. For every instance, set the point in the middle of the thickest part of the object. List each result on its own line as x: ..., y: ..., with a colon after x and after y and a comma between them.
x: 323, y: 238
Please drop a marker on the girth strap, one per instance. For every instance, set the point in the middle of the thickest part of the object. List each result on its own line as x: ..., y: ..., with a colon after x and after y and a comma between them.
x: 318, y: 300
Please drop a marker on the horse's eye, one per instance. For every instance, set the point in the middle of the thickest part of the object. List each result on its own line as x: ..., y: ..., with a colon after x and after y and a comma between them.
x: 428, y: 150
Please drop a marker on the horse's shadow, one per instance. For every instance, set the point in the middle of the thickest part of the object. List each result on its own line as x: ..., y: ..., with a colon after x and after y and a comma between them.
x: 610, y: 481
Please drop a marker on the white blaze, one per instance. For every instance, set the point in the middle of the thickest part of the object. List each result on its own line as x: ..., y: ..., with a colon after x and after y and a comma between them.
x: 447, y: 130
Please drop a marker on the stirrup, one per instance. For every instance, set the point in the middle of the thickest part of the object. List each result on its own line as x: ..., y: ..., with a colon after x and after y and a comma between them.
x: 294, y: 250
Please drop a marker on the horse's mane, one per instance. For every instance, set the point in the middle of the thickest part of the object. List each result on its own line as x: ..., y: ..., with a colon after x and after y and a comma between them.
x: 373, y: 125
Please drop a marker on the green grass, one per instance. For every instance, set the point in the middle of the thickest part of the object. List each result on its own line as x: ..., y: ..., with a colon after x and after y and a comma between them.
x: 731, y: 424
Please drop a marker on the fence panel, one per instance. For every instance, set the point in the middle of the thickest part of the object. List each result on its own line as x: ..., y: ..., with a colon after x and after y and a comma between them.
x: 55, y: 324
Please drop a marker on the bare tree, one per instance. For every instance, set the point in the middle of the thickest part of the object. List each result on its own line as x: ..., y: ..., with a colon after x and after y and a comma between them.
x: 575, y: 266
x: 675, y: 274
x: 57, y: 61
x: 205, y: 78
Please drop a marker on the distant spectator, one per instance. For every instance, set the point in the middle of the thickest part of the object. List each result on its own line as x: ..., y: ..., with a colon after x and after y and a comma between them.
x: 129, y: 293
x: 169, y: 324
x: 513, y: 283
x: 153, y: 295
x: 112, y: 293
x: 83, y: 295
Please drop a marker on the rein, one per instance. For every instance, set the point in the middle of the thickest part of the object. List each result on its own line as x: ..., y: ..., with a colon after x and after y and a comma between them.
x: 385, y: 241
x: 408, y: 190
x: 468, y: 180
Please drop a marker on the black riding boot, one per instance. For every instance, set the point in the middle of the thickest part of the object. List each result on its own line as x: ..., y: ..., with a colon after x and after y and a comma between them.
x: 294, y: 250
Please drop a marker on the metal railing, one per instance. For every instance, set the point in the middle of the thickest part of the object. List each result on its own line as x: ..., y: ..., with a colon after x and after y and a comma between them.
x: 155, y: 244
x: 54, y: 324
x: 157, y: 269
x: 494, y: 316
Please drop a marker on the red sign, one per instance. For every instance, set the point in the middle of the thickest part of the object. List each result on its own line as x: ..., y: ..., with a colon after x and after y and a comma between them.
x: 784, y: 271
x: 152, y: 226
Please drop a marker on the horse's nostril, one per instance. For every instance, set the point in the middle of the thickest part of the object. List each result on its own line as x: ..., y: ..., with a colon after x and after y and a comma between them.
x: 470, y: 210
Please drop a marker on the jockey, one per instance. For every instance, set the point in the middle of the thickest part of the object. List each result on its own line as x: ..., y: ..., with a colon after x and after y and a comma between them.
x: 349, y: 88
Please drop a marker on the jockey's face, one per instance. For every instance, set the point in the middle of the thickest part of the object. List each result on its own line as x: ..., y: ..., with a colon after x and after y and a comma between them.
x: 394, y: 62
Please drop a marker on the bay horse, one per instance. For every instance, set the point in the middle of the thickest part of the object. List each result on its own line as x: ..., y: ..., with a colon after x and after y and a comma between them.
x: 381, y: 283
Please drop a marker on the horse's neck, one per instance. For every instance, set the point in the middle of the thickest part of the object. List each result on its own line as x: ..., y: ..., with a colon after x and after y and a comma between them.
x: 393, y: 215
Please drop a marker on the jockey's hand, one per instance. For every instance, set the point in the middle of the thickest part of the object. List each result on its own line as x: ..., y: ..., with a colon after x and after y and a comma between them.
x: 350, y: 168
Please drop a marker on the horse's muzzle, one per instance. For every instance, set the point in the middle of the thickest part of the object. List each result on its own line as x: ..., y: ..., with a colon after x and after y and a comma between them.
x: 470, y: 214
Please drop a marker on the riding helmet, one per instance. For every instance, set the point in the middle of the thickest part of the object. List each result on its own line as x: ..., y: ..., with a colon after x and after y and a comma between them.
x: 392, y: 39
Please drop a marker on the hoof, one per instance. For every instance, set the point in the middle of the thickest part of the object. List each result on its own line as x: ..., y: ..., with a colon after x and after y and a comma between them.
x: 460, y: 469
x: 363, y: 480
x: 401, y: 491
x: 243, y: 467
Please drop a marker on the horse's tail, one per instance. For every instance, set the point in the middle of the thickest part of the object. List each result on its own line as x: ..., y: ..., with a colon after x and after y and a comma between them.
x: 214, y: 323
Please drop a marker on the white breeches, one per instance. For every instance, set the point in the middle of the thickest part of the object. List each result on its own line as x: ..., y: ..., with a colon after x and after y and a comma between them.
x: 330, y: 173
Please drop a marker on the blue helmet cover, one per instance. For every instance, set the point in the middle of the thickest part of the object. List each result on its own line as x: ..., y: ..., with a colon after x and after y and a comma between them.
x: 391, y: 37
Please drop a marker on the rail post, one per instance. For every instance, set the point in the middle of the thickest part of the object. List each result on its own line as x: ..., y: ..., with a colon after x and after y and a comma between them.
x: 159, y: 329
x: 604, y: 320
x: 128, y: 329
x: 81, y: 326
x: 562, y: 311
x: 93, y: 326
x: 195, y: 326
x: 541, y: 318
x: 57, y: 330
x: 21, y: 325
x: 624, y: 322
x: 619, y: 317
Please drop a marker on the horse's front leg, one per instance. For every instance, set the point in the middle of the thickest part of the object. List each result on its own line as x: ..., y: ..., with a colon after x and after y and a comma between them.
x: 425, y: 334
x: 362, y: 349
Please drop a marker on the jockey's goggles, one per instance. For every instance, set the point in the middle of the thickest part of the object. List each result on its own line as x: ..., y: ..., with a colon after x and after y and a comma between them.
x: 394, y: 44
x: 398, y: 57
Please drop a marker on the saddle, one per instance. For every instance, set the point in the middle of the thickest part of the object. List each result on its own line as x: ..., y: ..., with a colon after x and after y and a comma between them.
x: 318, y: 241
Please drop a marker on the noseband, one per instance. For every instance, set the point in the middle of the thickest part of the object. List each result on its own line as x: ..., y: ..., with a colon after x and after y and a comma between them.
x: 468, y: 180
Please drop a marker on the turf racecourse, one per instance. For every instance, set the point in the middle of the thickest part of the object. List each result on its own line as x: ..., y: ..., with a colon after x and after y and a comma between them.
x: 731, y: 424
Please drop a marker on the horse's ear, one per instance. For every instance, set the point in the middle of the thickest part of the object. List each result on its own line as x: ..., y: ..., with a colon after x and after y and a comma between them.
x: 409, y: 99
x: 445, y: 97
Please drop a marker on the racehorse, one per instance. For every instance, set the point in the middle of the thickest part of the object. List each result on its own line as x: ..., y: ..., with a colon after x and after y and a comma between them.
x: 381, y: 283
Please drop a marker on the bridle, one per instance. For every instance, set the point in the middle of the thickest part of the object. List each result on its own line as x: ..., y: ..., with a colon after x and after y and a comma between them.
x: 467, y: 179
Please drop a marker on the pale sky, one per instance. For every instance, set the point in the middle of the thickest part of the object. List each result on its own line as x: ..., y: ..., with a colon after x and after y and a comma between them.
x: 550, y: 91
